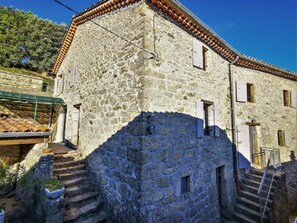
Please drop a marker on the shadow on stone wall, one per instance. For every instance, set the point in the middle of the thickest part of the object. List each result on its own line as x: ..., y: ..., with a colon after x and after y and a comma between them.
x: 139, y: 171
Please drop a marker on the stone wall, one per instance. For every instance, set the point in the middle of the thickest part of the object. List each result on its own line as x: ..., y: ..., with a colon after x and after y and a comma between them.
x: 139, y: 170
x: 268, y: 109
x: 20, y: 83
x: 116, y: 167
x: 172, y: 151
x: 290, y: 168
x: 135, y: 118
x: 107, y: 78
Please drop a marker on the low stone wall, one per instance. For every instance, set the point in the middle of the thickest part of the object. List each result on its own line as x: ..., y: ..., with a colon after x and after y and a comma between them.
x: 290, y: 168
x: 25, y: 84
x: 280, y: 211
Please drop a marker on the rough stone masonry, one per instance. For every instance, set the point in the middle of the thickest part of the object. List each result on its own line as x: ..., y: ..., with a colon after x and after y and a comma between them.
x: 136, y: 118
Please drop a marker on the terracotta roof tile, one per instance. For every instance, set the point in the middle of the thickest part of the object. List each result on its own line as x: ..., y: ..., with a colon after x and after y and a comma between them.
x: 21, y: 125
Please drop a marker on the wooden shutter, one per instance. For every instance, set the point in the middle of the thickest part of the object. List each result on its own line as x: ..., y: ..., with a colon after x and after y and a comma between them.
x: 56, y: 86
x: 216, y: 112
x: 200, y: 119
x: 197, y: 55
x: 241, y: 91
x: 287, y: 136
x: 244, y: 147
x: 293, y: 99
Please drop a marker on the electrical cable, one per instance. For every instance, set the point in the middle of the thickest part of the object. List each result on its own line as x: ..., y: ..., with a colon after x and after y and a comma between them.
x: 106, y: 29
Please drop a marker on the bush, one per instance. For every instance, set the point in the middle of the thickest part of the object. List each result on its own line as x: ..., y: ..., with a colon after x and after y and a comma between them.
x: 53, y: 184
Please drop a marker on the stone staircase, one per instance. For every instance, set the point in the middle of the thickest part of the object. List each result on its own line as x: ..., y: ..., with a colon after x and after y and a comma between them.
x: 83, y: 203
x: 247, y: 207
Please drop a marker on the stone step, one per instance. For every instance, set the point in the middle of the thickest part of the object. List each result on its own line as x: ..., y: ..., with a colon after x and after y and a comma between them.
x: 69, y: 169
x: 82, y: 197
x: 94, y: 218
x: 261, y: 173
x: 74, y: 213
x: 60, y: 158
x: 242, y: 218
x: 248, y: 203
x: 68, y: 163
x: 72, y: 175
x: 253, y: 190
x: 253, y: 177
x: 239, y: 208
x: 76, y: 181
x: 76, y: 190
x: 256, y: 184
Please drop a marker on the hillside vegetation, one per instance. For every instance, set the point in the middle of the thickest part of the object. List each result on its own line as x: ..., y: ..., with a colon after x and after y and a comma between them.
x: 27, y: 41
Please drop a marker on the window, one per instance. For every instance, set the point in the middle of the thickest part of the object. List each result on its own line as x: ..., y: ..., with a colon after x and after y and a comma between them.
x: 287, y: 98
x: 44, y: 87
x: 185, y: 184
x: 207, y: 119
x: 206, y: 114
x: 199, y: 55
x: 250, y: 92
x: 245, y: 92
x: 281, y: 137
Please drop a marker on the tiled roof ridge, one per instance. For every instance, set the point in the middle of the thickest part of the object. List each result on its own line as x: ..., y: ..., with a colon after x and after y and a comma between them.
x: 21, y: 125
x: 185, y: 18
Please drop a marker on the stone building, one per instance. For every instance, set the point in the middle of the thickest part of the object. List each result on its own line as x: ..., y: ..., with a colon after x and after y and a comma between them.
x: 160, y: 108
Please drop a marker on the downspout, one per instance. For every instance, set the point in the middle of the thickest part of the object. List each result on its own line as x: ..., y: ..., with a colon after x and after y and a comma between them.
x: 35, y: 110
x: 233, y: 124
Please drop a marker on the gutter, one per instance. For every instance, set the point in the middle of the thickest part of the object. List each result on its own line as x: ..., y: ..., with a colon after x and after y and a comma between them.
x: 203, y: 25
x: 233, y: 124
x: 4, y: 135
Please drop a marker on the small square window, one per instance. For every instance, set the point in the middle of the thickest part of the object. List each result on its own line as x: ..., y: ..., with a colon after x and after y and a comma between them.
x: 185, y: 184
x: 287, y: 98
x: 250, y: 92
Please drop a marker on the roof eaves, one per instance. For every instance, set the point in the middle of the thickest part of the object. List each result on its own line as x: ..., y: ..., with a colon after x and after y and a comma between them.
x: 227, y: 51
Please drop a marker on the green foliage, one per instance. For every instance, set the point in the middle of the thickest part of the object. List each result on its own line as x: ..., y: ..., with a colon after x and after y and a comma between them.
x: 53, y: 184
x: 3, y: 170
x: 27, y: 41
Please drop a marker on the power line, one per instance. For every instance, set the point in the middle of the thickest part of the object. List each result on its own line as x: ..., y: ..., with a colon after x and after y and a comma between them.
x: 117, y: 35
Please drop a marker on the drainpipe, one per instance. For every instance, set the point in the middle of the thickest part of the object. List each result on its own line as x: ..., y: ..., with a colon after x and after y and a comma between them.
x: 35, y: 110
x: 233, y: 124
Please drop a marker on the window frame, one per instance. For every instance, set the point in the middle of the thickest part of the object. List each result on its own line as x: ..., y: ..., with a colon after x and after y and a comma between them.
x: 287, y: 98
x: 250, y: 92
x: 185, y: 184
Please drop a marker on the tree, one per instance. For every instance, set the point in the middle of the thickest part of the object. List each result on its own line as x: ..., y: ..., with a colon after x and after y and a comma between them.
x: 27, y: 41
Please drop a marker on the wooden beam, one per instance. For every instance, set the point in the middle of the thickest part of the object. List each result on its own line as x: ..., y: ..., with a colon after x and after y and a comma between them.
x: 14, y: 141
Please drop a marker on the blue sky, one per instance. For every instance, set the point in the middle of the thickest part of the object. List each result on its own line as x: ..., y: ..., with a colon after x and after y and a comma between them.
x: 264, y: 29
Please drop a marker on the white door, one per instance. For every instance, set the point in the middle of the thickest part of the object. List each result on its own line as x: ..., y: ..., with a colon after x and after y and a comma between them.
x: 244, y: 146
x: 75, y: 127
